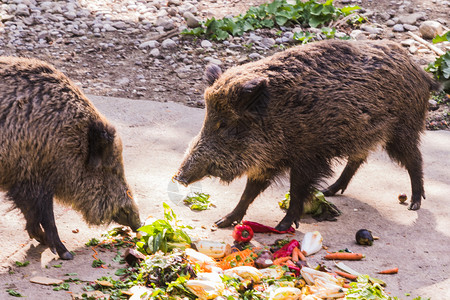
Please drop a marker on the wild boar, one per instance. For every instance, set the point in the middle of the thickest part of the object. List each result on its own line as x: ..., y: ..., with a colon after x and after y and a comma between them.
x: 297, y: 111
x: 54, y: 144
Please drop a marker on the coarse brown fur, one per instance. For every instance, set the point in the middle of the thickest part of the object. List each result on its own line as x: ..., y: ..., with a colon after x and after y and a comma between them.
x: 300, y: 109
x: 55, y: 144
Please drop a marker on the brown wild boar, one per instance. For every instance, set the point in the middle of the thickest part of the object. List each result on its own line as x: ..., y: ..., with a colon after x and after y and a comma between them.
x: 302, y: 108
x: 55, y: 144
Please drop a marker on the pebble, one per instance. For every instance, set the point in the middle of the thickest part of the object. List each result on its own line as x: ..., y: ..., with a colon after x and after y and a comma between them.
x: 398, y: 28
x: 206, y: 44
x: 371, y: 29
x: 155, y: 52
x: 191, y: 20
x: 149, y: 44
x: 168, y: 44
x: 408, y: 27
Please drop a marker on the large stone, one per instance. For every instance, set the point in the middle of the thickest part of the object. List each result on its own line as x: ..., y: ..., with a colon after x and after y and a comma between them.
x: 411, y: 18
x: 191, y: 20
x: 398, y: 28
x: 429, y: 29
x: 168, y: 44
x: 149, y: 44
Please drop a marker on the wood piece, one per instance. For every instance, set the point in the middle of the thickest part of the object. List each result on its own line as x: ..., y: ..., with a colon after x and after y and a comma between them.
x: 429, y: 45
x: 45, y: 280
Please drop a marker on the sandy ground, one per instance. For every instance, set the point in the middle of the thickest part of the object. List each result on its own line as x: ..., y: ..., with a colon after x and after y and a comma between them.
x: 155, y: 136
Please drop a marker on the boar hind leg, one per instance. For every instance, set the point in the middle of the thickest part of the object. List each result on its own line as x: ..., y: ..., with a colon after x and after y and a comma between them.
x: 252, y: 190
x: 350, y: 169
x: 37, y: 208
x: 404, y: 149
x: 302, y: 184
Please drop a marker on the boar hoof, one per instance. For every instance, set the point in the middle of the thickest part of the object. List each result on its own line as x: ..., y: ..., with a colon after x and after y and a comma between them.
x: 66, y: 256
x: 414, y: 206
x: 226, y: 222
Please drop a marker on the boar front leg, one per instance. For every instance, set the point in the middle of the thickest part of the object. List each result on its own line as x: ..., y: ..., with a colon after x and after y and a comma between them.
x: 253, y: 188
x: 36, y: 204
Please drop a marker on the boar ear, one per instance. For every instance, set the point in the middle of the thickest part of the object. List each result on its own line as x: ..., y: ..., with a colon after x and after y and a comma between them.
x: 101, y: 142
x: 212, y: 73
x: 254, y: 96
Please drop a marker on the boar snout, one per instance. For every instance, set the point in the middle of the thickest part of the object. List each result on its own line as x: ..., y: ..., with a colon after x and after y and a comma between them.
x: 128, y: 217
x: 191, y: 171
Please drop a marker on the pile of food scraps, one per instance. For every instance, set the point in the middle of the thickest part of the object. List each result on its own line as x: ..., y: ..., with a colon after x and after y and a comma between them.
x: 166, y: 263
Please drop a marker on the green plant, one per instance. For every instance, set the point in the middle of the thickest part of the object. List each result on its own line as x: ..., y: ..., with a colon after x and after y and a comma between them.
x: 22, y: 264
x: 440, y: 67
x: 198, y: 201
x: 164, y: 234
x: 269, y: 15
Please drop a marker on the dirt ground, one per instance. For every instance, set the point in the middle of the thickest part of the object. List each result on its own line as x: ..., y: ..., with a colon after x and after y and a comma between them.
x: 155, y: 136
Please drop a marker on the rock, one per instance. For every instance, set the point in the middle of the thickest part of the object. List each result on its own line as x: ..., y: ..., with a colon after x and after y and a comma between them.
x: 357, y: 35
x: 408, y: 27
x: 255, y: 56
x: 206, y: 44
x: 70, y: 15
x: 191, y: 20
x: 371, y: 29
x: 155, y: 52
x: 408, y: 42
x: 268, y: 42
x: 22, y: 10
x: 398, y: 28
x: 429, y: 29
x: 411, y: 18
x: 433, y: 105
x: 213, y: 60
x: 149, y: 44
x: 168, y: 44
x: 119, y: 25
x: 413, y: 49
x: 390, y: 23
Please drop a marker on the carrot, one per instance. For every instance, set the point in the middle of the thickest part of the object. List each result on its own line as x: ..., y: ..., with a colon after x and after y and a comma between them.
x: 281, y: 260
x: 240, y: 258
x: 346, y: 275
x: 290, y: 263
x: 301, y: 256
x: 344, y: 256
x: 295, y: 254
x: 389, y: 271
x: 298, y: 255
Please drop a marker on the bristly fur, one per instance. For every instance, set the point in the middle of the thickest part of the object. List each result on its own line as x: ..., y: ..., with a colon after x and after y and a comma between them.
x: 55, y: 144
x: 300, y: 109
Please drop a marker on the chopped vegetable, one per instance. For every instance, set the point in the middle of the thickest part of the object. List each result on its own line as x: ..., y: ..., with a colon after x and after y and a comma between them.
x: 242, y: 233
x: 281, y: 260
x: 389, y: 271
x: 364, y: 237
x: 402, y: 198
x: 240, y: 258
x: 245, y: 272
x: 260, y: 228
x: 346, y: 275
x: 164, y: 235
x: 344, y: 256
x: 199, y: 201
x: 283, y: 293
x: 212, y: 248
x: 311, y: 243
x: 287, y: 249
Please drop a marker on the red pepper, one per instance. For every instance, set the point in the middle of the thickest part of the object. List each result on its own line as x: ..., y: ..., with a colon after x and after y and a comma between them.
x: 242, y: 233
x: 257, y: 227
x: 287, y: 249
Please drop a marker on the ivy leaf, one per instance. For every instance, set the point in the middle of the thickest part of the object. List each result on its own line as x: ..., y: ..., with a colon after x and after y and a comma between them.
x: 346, y: 10
x: 442, y: 38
